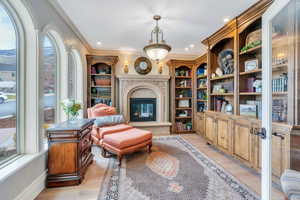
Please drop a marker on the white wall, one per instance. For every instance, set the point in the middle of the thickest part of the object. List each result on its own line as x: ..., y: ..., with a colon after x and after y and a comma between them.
x: 130, y: 57
x: 44, y: 14
x: 26, y: 177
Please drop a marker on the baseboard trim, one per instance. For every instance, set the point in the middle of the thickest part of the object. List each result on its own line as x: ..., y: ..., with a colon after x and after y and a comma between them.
x: 34, y: 189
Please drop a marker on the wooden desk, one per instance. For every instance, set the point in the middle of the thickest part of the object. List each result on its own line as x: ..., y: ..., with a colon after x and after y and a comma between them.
x: 69, y: 152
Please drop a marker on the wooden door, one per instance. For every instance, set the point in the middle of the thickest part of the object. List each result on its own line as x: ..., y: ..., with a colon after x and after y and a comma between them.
x: 210, y: 128
x: 242, y: 141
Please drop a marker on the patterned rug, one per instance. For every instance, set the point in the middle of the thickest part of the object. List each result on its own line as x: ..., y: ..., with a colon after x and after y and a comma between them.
x: 175, y: 170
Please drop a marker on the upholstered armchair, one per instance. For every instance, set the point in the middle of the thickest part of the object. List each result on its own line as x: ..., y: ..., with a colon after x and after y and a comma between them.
x: 114, y: 134
x: 101, y: 110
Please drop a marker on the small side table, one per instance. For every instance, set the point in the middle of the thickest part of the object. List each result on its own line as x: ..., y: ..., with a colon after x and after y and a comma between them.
x: 69, y: 152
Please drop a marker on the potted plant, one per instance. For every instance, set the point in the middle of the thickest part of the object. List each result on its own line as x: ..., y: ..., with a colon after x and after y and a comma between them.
x: 189, y: 126
x: 71, y: 108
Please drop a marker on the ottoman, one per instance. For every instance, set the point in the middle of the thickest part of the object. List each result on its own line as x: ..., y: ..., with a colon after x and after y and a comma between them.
x: 126, y: 141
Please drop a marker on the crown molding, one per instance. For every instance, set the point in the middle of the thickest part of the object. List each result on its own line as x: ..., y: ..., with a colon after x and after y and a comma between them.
x: 140, y: 53
x: 58, y: 9
x: 115, y: 52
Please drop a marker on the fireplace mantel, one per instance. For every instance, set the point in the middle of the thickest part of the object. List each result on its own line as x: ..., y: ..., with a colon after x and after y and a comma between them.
x: 146, y: 77
x: 159, y: 86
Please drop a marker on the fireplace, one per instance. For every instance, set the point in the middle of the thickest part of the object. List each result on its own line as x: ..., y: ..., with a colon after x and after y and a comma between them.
x: 142, y: 109
x: 152, y: 87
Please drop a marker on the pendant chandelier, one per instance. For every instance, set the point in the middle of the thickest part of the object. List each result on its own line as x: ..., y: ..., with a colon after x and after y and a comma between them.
x: 157, y: 49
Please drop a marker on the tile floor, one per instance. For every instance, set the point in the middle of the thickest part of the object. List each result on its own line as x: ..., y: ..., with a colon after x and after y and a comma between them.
x: 88, y: 190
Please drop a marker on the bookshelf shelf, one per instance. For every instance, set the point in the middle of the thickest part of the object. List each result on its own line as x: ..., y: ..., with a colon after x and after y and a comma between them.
x: 253, y: 50
x: 99, y: 86
x: 183, y: 77
x: 102, y: 97
x: 100, y: 74
x: 187, y: 117
x: 222, y: 77
x: 251, y: 72
x: 250, y: 93
x: 280, y: 93
x: 183, y: 87
x: 202, y: 88
x: 184, y: 108
x: 221, y: 94
x: 279, y: 67
x: 201, y: 100
x: 201, y: 76
x: 183, y: 98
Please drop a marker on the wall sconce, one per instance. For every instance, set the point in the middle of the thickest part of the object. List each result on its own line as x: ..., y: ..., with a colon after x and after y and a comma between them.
x: 126, y: 69
x: 160, y: 67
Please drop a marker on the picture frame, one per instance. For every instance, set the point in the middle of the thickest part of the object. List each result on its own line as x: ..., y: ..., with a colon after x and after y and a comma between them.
x: 251, y: 65
x: 184, y: 103
x: 248, y: 110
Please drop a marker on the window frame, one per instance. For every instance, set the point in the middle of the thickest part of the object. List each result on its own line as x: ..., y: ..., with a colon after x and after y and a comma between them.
x: 57, y: 67
x: 19, y: 78
x: 72, y: 56
x: 27, y: 63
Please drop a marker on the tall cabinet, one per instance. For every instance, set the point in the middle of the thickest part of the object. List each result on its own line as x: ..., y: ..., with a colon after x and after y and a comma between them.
x: 101, y: 80
x: 182, y: 95
x: 233, y: 118
x: 200, y: 93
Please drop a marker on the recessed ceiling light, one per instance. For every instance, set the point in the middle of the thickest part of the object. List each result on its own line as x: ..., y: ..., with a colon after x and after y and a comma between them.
x: 226, y: 19
x: 186, y: 49
x: 99, y: 43
x: 192, y: 45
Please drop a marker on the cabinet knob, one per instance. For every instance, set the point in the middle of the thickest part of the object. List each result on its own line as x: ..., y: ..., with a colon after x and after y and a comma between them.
x: 262, y: 133
x: 278, y: 135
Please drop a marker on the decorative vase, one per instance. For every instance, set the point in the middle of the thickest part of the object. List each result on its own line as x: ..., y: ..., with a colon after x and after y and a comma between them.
x: 72, y: 118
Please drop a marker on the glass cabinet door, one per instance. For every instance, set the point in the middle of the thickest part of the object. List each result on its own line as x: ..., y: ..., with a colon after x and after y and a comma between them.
x: 280, y: 90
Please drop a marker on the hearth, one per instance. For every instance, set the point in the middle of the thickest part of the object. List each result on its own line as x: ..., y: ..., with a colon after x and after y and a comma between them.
x: 142, y: 109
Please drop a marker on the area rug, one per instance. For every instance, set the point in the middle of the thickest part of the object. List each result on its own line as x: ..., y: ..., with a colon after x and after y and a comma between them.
x: 174, y: 170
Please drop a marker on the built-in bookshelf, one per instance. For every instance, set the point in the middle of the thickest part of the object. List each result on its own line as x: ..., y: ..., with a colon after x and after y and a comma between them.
x: 242, y: 89
x: 101, y: 80
x: 250, y: 72
x: 221, y: 91
x: 182, y: 102
x: 201, y: 85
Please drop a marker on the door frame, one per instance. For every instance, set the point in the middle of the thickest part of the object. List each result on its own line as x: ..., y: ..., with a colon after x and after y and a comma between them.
x: 266, y: 171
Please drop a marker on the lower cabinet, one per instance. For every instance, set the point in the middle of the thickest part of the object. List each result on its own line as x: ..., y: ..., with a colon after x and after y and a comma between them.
x: 280, y: 150
x: 199, y: 124
x: 236, y: 136
x: 243, y: 141
x: 223, y: 129
x: 210, y: 128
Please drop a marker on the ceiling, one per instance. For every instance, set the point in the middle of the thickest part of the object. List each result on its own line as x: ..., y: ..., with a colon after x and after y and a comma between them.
x: 126, y: 24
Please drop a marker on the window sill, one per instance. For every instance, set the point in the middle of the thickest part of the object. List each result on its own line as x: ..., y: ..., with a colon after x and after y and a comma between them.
x: 17, y: 163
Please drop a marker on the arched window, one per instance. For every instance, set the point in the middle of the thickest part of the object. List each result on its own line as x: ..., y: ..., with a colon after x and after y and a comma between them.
x: 9, y: 81
x: 49, y: 80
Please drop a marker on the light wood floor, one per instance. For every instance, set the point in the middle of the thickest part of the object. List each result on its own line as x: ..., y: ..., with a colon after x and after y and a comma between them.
x: 88, y: 190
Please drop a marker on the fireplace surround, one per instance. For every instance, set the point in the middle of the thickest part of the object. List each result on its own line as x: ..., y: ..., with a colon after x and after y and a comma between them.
x: 149, y: 86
